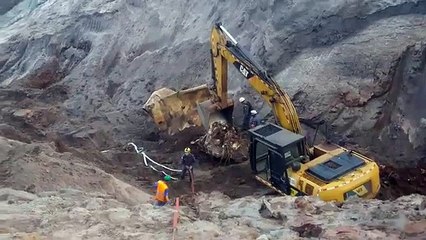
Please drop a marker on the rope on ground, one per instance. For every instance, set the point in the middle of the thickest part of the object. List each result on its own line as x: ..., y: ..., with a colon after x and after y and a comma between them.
x: 145, y: 157
x: 175, y: 217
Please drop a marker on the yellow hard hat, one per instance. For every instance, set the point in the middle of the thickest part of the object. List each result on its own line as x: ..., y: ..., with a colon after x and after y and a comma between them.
x: 187, y: 150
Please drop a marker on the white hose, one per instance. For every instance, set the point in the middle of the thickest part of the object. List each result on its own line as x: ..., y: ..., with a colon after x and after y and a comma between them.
x: 153, y: 168
x: 145, y: 158
x: 160, y: 165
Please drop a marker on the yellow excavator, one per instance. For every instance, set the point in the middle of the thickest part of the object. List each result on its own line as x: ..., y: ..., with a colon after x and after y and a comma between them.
x: 279, y: 155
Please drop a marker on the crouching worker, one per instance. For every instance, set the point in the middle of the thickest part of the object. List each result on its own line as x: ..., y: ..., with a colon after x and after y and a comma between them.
x: 162, y: 194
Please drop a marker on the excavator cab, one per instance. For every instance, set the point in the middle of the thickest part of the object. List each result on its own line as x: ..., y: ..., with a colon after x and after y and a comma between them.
x: 273, y: 150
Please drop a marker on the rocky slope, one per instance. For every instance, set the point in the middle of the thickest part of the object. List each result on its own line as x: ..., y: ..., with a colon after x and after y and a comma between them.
x: 357, y: 64
x: 73, y: 214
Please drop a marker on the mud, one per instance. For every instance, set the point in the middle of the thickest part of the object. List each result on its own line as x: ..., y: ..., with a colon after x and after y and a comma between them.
x: 210, y: 174
x: 397, y: 182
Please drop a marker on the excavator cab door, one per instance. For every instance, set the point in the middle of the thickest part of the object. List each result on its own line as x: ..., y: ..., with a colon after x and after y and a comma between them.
x: 278, y: 169
x: 260, y: 159
x: 268, y: 164
x: 273, y: 149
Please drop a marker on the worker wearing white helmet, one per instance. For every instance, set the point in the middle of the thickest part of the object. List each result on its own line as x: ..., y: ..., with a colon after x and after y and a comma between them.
x: 247, y: 107
x: 253, y: 119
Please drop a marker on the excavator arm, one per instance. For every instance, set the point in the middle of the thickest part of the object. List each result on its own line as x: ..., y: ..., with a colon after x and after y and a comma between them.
x: 224, y: 51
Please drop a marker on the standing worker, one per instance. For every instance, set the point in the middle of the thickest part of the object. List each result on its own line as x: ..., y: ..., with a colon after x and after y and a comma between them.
x: 253, y: 119
x: 162, y: 194
x: 187, y: 160
x: 247, y: 107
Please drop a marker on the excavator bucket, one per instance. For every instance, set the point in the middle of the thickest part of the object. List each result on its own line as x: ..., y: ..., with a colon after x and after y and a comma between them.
x: 174, y: 111
x: 209, y: 113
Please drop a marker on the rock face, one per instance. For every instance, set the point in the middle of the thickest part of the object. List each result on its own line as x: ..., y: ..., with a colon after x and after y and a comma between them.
x: 356, y: 64
x: 98, y: 216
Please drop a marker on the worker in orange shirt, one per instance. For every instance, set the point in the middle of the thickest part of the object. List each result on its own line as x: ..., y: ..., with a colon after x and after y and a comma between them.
x: 162, y: 194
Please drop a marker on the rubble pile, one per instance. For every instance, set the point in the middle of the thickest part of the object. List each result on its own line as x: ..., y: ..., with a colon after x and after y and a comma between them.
x: 75, y: 214
x: 224, y: 142
x: 310, y: 218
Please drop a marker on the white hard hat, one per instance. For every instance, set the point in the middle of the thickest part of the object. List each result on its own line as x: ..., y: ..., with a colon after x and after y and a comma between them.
x: 242, y: 99
x: 254, y: 112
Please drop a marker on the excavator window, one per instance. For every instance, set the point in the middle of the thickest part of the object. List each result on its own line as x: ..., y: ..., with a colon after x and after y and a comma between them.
x: 261, y: 160
x: 261, y: 150
x: 273, y: 150
x: 292, y: 152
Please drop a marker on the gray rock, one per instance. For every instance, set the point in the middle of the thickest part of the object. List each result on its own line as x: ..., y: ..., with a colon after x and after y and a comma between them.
x: 79, y: 214
x: 47, y: 194
x: 7, y: 194
x: 118, y: 215
x: 21, y: 113
x: 262, y: 237
x: 94, y: 204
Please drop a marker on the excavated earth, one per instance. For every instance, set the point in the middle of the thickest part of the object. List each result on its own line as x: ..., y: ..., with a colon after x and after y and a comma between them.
x: 75, y: 74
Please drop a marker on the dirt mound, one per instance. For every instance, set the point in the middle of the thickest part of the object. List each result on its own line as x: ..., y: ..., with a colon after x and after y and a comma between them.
x: 38, y: 167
